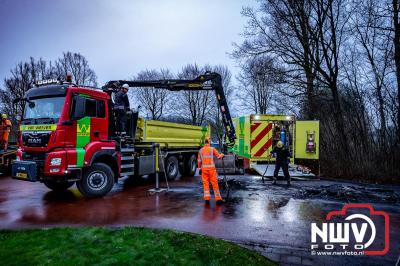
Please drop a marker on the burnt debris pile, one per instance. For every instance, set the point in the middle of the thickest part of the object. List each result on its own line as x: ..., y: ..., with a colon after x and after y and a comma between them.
x: 350, y: 193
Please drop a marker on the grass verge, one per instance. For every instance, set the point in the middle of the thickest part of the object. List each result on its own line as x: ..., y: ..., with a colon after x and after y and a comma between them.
x: 127, y: 246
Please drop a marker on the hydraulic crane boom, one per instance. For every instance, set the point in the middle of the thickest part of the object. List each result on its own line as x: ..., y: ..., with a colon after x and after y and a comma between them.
x: 208, y: 81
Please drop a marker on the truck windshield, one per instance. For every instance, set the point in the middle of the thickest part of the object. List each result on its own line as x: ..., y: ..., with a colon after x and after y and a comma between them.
x: 43, y: 110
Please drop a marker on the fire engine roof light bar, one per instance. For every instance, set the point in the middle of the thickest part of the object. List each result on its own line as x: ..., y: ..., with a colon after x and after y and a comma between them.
x: 45, y: 82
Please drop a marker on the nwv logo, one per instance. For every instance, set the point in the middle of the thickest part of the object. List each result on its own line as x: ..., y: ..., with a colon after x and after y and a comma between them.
x: 338, y: 235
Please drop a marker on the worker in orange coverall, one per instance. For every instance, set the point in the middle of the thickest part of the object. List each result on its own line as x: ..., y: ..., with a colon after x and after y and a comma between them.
x: 205, y: 161
x: 5, y: 131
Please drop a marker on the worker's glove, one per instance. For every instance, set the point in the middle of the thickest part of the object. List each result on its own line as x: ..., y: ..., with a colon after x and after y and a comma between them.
x: 221, y: 156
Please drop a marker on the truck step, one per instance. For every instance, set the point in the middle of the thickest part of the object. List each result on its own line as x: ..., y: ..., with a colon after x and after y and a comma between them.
x: 127, y: 174
x: 127, y: 150
x: 127, y: 158
x: 127, y: 166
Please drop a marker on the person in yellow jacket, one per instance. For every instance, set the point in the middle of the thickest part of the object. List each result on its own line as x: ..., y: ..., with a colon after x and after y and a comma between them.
x: 5, y: 131
x: 206, y: 163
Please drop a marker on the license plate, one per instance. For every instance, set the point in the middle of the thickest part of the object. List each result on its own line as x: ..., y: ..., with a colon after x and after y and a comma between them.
x: 22, y: 175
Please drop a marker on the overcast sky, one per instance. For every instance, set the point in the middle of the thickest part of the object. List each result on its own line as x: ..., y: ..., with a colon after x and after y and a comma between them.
x: 121, y: 37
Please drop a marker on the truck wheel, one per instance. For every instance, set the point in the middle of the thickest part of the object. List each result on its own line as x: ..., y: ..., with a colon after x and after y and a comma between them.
x: 190, y: 166
x: 96, y: 181
x: 58, y: 186
x: 171, y: 167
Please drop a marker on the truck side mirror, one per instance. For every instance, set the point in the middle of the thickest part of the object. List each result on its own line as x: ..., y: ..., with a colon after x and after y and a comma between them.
x: 78, y: 108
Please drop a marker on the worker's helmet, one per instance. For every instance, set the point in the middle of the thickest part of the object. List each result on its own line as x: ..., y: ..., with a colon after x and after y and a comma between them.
x: 207, y: 140
x: 125, y: 86
x: 279, y: 144
x: 4, y: 116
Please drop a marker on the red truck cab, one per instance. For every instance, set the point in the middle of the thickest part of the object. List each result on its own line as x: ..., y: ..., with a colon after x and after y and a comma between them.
x: 65, y: 129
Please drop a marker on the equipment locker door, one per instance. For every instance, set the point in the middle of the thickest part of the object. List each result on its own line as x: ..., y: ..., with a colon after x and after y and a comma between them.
x: 307, y: 140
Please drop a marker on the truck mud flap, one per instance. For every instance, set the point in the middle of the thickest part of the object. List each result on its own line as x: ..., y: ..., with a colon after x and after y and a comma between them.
x: 24, y: 170
x: 144, y: 165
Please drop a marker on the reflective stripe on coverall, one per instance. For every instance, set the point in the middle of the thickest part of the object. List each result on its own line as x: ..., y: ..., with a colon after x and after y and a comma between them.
x: 5, y: 128
x: 208, y: 172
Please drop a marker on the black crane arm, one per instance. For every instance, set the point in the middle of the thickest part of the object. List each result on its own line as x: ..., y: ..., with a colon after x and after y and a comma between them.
x: 207, y: 81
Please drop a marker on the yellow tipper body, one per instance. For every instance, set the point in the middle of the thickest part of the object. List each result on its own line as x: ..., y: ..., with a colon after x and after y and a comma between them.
x: 169, y: 134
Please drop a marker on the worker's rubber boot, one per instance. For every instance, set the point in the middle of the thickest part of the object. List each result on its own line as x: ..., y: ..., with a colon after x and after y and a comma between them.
x: 220, y: 202
x: 274, y: 181
x: 288, y: 182
x: 207, y: 202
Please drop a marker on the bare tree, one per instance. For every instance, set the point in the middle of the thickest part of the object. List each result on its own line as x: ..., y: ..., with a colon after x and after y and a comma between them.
x: 154, y: 101
x: 25, y: 74
x: 283, y: 30
x: 396, y: 43
x: 259, y: 78
x: 331, y: 20
x: 76, y: 65
x: 376, y: 50
x: 194, y: 105
x: 21, y: 79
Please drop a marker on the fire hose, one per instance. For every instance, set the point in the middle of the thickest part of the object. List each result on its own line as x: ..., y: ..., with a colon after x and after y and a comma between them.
x: 266, y: 169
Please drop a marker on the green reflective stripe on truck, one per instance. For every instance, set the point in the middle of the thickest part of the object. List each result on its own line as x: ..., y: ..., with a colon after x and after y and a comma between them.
x: 80, y: 156
x: 82, y: 138
x: 243, y: 148
x: 82, y: 132
x: 240, y: 147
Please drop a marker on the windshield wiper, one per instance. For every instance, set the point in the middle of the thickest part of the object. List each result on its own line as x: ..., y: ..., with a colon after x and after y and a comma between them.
x: 29, y: 121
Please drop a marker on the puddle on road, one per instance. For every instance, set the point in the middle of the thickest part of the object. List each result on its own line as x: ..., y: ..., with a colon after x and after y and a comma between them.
x: 255, y: 211
x: 249, y: 201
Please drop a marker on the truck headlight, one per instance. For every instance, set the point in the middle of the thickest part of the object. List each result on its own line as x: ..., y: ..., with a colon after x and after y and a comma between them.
x: 55, y: 162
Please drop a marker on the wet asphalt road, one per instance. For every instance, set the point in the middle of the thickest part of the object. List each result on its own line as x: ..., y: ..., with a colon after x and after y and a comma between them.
x: 274, y: 220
